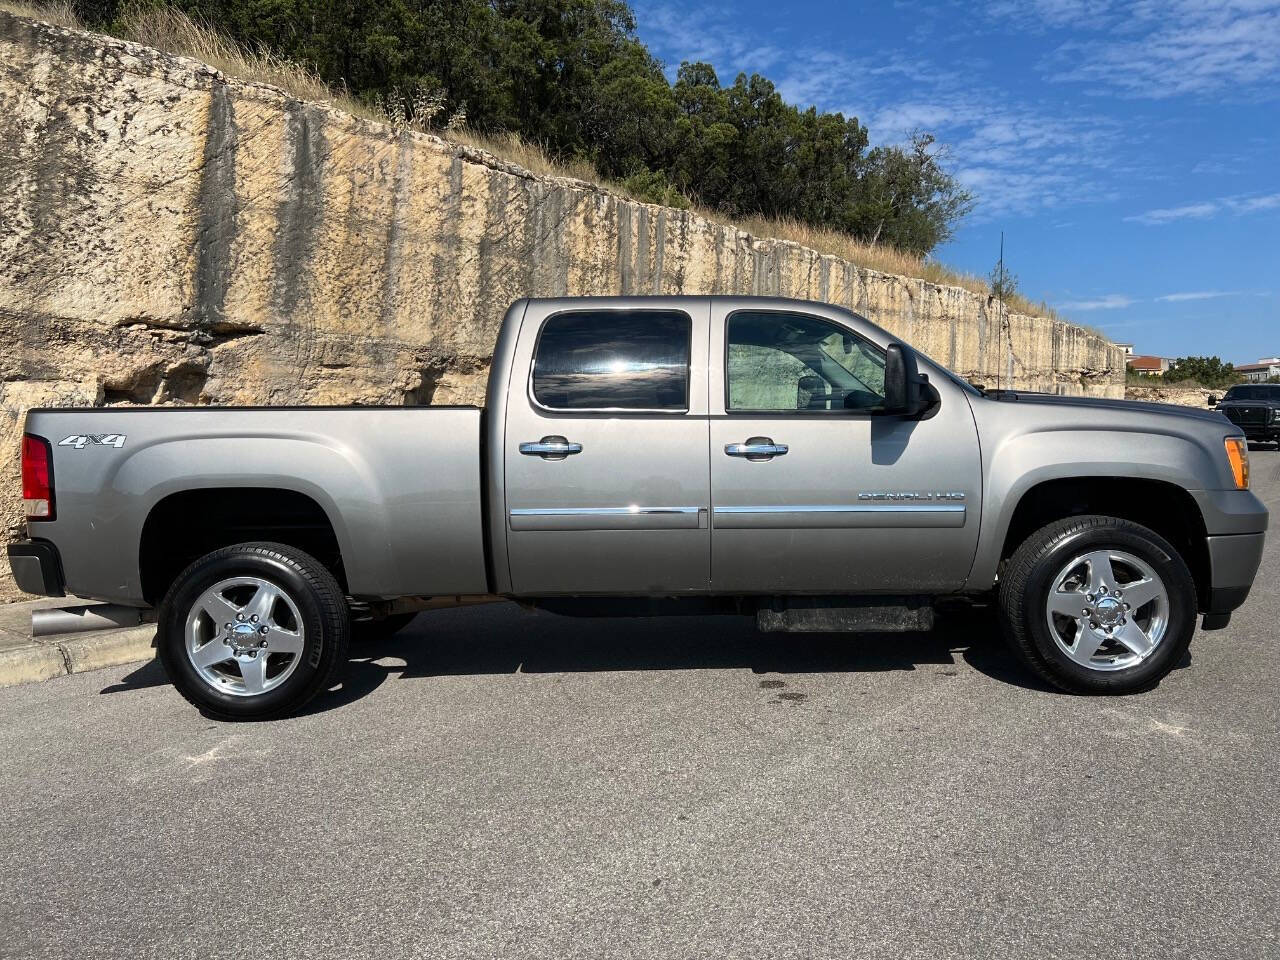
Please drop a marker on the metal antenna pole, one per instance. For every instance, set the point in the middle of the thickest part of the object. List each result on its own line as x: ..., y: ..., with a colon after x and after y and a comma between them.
x: 1000, y: 302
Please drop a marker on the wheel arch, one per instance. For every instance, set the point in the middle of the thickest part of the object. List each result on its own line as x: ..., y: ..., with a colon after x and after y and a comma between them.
x: 207, y: 518
x: 1162, y: 506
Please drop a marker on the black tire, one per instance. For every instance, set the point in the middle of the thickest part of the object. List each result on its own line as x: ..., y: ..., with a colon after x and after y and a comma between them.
x: 1029, y: 575
x: 373, y: 631
x: 322, y: 615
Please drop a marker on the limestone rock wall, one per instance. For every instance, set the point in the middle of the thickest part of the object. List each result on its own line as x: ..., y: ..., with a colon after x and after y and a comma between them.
x: 168, y: 235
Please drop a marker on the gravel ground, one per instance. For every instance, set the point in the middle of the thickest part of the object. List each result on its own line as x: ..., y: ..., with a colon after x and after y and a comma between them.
x: 498, y: 783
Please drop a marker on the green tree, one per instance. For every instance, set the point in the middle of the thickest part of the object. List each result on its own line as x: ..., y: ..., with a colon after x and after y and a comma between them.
x: 1206, y: 371
x: 1004, y: 284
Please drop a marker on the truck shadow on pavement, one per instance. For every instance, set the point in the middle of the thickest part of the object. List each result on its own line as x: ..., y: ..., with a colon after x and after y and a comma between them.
x: 504, y: 638
x: 507, y: 639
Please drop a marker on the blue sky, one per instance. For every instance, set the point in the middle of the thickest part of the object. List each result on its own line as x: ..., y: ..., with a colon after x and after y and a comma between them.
x: 1130, y: 151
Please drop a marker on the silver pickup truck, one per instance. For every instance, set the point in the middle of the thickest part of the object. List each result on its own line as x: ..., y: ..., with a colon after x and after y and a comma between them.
x: 644, y: 456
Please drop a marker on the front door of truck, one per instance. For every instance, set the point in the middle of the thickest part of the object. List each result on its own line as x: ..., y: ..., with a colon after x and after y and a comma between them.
x: 605, y: 451
x: 813, y: 490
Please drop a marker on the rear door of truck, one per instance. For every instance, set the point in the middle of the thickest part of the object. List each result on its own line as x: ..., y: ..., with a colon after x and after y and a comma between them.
x: 605, y: 449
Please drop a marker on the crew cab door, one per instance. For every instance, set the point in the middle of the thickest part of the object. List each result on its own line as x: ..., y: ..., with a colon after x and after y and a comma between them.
x: 813, y: 489
x: 605, y: 450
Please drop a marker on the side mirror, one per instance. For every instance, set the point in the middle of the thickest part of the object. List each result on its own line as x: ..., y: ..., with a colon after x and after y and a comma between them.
x: 1212, y: 401
x: 906, y: 393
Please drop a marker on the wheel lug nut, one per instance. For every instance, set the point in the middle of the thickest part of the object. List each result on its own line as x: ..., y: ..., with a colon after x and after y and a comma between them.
x: 1126, y: 606
x: 254, y: 618
x: 262, y: 644
x: 262, y: 630
x: 1093, y: 625
x: 240, y: 617
x: 227, y: 625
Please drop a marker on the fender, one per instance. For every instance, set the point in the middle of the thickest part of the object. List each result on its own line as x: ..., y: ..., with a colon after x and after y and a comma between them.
x: 1021, y: 461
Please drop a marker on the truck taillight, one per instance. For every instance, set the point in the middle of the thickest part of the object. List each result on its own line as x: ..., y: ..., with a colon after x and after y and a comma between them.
x: 37, y: 477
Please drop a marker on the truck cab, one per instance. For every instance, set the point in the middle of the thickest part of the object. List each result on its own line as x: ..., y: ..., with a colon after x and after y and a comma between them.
x: 667, y: 448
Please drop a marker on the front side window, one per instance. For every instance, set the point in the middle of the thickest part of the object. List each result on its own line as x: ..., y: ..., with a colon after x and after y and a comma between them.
x: 614, y: 360
x: 793, y: 362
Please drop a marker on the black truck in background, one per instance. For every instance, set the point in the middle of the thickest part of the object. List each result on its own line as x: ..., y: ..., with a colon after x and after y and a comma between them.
x: 1254, y: 408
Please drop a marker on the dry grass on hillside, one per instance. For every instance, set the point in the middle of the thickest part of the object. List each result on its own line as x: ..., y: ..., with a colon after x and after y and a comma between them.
x: 174, y: 32
x: 59, y: 14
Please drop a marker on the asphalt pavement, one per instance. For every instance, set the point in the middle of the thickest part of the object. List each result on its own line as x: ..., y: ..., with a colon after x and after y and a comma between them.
x: 500, y: 783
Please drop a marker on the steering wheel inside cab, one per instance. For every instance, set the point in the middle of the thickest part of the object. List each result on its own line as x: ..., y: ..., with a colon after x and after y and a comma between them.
x: 814, y: 393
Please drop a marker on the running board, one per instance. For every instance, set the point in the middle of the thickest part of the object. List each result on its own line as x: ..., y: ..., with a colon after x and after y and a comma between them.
x: 846, y: 615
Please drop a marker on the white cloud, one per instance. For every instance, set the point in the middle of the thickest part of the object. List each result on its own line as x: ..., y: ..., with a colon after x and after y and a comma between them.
x: 1189, y: 211
x: 1254, y: 204
x: 1197, y: 295
x: 1158, y: 49
x: 1111, y: 301
x: 1204, y: 209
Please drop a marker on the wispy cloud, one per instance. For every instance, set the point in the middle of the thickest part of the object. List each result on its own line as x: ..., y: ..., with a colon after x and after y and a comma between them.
x: 1189, y: 211
x: 1111, y: 301
x: 1158, y: 49
x: 1198, y: 295
x: 1208, y: 208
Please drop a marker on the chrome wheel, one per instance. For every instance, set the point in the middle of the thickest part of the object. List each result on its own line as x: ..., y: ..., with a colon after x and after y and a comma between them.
x: 244, y: 636
x: 1107, y: 610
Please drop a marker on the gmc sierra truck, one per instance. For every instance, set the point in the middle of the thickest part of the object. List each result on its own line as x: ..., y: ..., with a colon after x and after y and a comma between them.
x: 645, y: 456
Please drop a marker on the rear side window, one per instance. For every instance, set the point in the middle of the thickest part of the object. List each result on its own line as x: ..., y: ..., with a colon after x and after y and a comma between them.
x: 614, y: 360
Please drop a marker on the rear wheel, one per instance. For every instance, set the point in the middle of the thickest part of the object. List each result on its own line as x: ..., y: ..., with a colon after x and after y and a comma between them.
x: 252, y: 631
x: 1097, y: 604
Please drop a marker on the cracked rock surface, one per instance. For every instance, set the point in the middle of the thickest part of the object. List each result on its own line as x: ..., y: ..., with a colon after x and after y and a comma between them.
x: 168, y: 235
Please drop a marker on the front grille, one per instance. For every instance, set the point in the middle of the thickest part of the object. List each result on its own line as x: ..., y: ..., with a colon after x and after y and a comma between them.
x: 1247, y: 416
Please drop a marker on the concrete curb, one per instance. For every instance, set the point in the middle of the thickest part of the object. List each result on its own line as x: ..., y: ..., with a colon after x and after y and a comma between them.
x: 75, y: 653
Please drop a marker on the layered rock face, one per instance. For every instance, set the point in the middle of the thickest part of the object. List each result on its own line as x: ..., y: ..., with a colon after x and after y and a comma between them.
x: 168, y: 235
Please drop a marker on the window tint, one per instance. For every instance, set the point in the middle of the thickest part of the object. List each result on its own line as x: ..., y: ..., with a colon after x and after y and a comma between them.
x: 614, y: 360
x: 789, y: 361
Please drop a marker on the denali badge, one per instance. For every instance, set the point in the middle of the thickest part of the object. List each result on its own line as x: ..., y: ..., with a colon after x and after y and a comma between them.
x: 79, y: 441
x: 927, y: 496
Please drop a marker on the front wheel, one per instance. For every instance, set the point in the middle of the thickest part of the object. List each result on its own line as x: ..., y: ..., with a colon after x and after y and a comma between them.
x: 1098, y: 605
x: 252, y: 631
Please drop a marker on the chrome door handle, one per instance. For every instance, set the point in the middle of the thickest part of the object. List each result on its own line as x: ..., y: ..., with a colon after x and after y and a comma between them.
x: 756, y: 448
x: 550, y: 448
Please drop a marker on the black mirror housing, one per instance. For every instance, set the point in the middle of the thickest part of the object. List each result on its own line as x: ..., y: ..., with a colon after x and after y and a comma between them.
x: 895, y: 379
x: 906, y: 392
x: 1211, y: 401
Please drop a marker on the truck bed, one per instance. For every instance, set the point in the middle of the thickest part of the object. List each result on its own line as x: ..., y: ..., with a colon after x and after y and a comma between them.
x: 401, y: 486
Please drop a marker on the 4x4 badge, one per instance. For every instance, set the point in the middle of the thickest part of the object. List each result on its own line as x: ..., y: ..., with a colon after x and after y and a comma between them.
x: 81, y: 440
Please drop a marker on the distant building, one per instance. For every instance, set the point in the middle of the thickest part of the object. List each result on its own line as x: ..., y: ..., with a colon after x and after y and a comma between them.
x: 1263, y: 370
x: 1152, y: 366
x: 1127, y: 348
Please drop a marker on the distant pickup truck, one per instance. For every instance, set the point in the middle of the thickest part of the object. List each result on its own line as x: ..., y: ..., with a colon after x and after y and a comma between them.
x: 1254, y: 408
x: 649, y: 456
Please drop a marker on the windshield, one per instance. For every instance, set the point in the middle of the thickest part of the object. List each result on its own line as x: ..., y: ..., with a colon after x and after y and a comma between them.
x: 1254, y: 391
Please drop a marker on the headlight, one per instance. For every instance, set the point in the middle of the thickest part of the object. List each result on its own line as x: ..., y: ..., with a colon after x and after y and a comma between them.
x: 1238, y: 457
